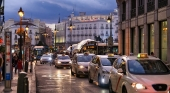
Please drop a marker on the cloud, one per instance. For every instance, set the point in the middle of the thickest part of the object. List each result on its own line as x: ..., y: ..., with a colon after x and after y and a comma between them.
x: 48, y: 10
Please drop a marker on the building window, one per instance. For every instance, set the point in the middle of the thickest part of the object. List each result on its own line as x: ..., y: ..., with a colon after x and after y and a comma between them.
x: 141, y: 40
x: 124, y: 11
x: 133, y: 38
x: 151, y: 38
x: 15, y: 37
x: 141, y: 7
x: 164, y: 43
x: 123, y: 42
x: 15, y: 31
x: 150, y: 5
x: 162, y: 3
x: 133, y: 8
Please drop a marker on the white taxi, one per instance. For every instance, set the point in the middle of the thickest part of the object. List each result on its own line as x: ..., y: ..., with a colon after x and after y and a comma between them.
x: 99, y: 69
x: 139, y: 74
x: 63, y: 61
x: 80, y: 63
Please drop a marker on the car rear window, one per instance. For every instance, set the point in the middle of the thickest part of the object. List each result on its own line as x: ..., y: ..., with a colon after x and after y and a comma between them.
x: 107, y: 61
x: 84, y: 58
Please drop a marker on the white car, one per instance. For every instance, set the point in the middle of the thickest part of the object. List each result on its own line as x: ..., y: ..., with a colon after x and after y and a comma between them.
x: 80, y: 64
x: 139, y: 74
x: 45, y: 59
x: 63, y: 61
x: 99, y: 69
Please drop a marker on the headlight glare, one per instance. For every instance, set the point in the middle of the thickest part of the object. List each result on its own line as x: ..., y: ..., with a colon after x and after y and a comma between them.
x: 70, y: 62
x: 59, y: 62
x: 49, y: 58
x: 81, y: 66
x: 138, y: 86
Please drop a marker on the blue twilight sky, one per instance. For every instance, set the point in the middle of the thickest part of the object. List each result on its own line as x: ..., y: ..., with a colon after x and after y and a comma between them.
x: 49, y: 10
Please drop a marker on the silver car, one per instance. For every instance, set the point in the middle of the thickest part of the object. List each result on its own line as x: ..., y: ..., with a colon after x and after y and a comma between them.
x: 80, y: 64
x: 45, y: 59
x: 63, y: 61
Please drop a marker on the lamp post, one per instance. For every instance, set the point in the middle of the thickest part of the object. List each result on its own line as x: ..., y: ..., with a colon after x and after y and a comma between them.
x: 20, y: 32
x: 36, y: 39
x: 110, y: 39
x: 71, y: 28
x: 45, y: 35
x: 55, y: 33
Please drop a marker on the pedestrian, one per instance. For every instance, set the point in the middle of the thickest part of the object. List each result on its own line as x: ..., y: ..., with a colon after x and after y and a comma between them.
x: 1, y: 65
x: 152, y: 54
x: 15, y: 63
x: 19, y: 66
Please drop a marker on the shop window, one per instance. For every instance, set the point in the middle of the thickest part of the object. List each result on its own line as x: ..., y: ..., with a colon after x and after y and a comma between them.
x: 164, y: 30
x: 133, y: 38
x: 141, y: 40
x: 151, y: 38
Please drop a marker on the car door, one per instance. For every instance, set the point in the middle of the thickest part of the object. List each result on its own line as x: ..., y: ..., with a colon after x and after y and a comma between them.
x: 97, y: 69
x: 113, y: 74
x: 74, y: 64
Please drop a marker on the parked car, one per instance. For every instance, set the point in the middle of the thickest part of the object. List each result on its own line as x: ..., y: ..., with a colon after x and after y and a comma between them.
x: 46, y: 58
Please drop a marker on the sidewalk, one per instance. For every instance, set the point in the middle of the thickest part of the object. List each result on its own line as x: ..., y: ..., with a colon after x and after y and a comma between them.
x: 31, y: 78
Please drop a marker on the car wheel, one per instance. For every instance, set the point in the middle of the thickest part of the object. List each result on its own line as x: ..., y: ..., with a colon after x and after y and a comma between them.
x: 124, y: 90
x: 110, y: 87
x: 89, y: 78
x: 99, y: 81
x: 72, y: 73
x: 77, y: 75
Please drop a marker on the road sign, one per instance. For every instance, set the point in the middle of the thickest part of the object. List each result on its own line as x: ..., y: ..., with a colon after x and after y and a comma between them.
x: 110, y: 41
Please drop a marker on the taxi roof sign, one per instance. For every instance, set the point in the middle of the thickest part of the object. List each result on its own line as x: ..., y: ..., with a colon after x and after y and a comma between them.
x: 110, y: 55
x: 142, y: 55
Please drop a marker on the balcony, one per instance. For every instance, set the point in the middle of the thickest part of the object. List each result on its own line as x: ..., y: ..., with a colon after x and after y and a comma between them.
x: 107, y: 27
x: 123, y: 16
x: 151, y: 6
x: 140, y: 10
x: 74, y: 35
x: 82, y: 34
x: 94, y: 27
x: 86, y: 27
x: 107, y: 34
x: 90, y: 27
x: 86, y: 34
x: 68, y: 35
x: 133, y: 13
x: 74, y: 28
x: 82, y: 28
x: 162, y: 3
x: 102, y: 27
x: 78, y: 28
x: 78, y: 35
x: 90, y: 34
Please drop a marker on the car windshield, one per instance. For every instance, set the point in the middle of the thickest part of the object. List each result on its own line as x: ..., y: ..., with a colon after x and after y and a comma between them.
x: 63, y: 57
x: 46, y: 56
x: 107, y: 61
x: 84, y: 58
x: 147, y: 67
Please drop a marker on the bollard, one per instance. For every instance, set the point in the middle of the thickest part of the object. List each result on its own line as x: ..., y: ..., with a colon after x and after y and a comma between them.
x: 26, y: 85
x: 26, y: 66
x: 20, y: 85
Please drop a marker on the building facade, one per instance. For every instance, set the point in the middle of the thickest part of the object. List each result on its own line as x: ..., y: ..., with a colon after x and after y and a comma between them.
x: 144, y: 27
x: 12, y: 26
x: 87, y: 27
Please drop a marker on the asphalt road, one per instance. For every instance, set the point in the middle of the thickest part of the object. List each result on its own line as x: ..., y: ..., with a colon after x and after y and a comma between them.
x: 52, y: 80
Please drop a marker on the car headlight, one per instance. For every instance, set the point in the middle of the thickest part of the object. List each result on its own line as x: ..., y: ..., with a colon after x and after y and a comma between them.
x: 105, y: 72
x: 81, y: 66
x: 138, y: 86
x: 59, y: 62
x: 70, y: 62
x: 49, y: 58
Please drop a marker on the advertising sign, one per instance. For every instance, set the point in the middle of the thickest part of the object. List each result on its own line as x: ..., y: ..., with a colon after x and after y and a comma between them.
x: 8, y: 55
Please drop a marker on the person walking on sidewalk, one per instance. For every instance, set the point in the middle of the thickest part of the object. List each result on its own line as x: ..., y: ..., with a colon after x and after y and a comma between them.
x: 19, y: 66
x: 1, y: 65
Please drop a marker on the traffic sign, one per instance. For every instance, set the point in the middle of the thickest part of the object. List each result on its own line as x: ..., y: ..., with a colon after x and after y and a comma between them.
x: 110, y: 41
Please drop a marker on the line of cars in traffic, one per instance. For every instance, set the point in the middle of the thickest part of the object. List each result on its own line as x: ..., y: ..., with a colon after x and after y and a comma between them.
x: 121, y: 74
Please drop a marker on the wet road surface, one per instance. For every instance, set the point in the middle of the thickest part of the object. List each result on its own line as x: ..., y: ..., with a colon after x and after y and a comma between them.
x: 58, y: 80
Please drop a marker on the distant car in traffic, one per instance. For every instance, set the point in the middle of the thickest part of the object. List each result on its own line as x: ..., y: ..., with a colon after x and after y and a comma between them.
x: 80, y: 63
x: 139, y: 74
x: 62, y: 60
x: 46, y: 58
x: 99, y: 69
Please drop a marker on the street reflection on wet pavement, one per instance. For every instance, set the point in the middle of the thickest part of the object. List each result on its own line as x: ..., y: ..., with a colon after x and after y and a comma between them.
x: 58, y: 80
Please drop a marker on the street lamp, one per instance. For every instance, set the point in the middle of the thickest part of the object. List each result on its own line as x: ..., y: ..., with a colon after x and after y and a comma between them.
x: 20, y: 31
x: 55, y: 33
x: 71, y: 28
x: 110, y: 39
x: 36, y: 39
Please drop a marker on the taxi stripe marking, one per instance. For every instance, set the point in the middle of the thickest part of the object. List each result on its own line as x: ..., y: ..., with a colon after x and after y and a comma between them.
x: 118, y: 82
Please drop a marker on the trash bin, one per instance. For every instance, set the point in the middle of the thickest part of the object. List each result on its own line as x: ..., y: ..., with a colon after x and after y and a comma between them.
x: 20, y: 85
x: 26, y: 85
